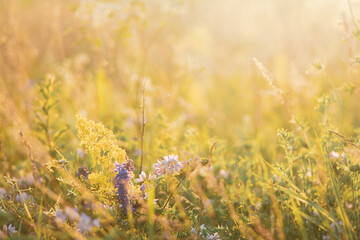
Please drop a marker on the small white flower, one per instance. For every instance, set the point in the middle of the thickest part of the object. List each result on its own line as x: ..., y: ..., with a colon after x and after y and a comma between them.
x: 334, y: 155
x: 142, y: 177
x: 224, y: 173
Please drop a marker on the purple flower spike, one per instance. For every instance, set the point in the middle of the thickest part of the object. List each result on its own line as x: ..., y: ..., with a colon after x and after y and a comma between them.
x: 122, y: 181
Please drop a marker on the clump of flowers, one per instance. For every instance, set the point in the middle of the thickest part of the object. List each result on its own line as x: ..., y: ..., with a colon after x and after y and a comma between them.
x: 101, y: 143
x: 141, y: 180
x: 68, y: 213
x: 204, y: 234
x: 84, y: 222
x: 168, y: 165
x: 122, y: 182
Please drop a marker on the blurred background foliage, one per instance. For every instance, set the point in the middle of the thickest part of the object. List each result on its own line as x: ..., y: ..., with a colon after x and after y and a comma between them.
x: 194, y: 59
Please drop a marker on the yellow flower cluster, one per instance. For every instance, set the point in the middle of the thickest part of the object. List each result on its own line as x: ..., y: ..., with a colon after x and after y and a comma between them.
x: 101, y: 143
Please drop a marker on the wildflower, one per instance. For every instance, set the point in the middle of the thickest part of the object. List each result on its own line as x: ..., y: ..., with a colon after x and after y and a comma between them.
x: 71, y: 213
x: 224, y: 173
x: 24, y: 196
x: 26, y: 182
x: 143, y: 187
x: 204, y: 234
x: 80, y: 153
x: 2, y: 211
x: 315, y: 213
x: 103, y: 146
x: 152, y: 176
x: 348, y: 205
x: 141, y: 178
x: 97, y: 139
x: 86, y: 223
x: 170, y: 164
x: 83, y: 171
x: 2, y: 192
x: 334, y: 228
x: 334, y: 155
x: 326, y: 237
x: 122, y: 182
x: 10, y: 230
x: 108, y: 208
x: 214, y: 236
x: 60, y: 216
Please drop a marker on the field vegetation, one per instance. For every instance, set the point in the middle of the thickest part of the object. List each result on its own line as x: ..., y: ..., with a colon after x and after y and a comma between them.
x: 174, y: 119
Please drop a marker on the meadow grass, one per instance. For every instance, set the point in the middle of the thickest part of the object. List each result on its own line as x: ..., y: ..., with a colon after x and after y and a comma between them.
x: 157, y: 120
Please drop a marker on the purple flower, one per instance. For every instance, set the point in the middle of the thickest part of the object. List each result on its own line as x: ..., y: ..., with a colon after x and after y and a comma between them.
x: 122, y: 182
x: 83, y: 171
x: 10, y: 229
x: 86, y: 223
